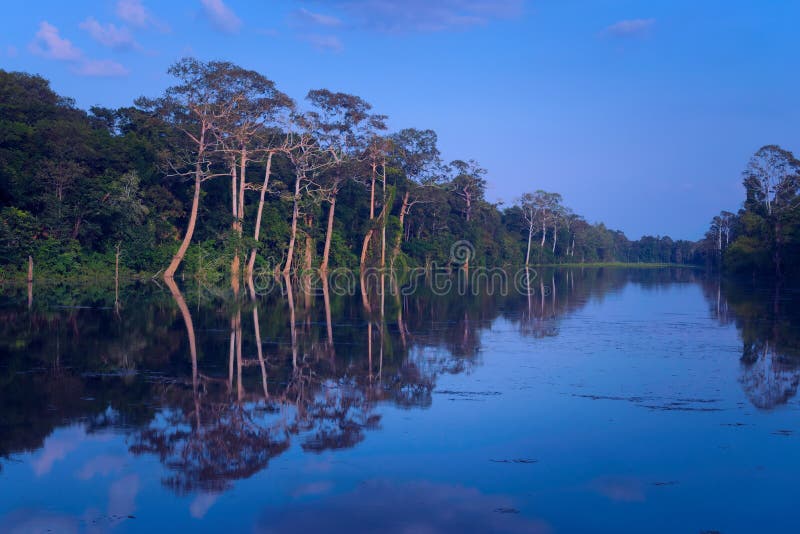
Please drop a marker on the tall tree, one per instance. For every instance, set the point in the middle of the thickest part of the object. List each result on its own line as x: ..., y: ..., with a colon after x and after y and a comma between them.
x: 416, y: 153
x: 772, y: 180
x: 192, y: 107
x: 469, y: 183
x: 245, y: 130
x: 339, y: 121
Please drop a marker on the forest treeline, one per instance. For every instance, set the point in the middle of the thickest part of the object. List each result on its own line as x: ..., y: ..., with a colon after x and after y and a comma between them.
x: 223, y: 174
x: 764, y: 236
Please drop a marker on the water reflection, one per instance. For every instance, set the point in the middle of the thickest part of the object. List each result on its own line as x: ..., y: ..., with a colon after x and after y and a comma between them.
x: 215, y: 389
x: 768, y: 319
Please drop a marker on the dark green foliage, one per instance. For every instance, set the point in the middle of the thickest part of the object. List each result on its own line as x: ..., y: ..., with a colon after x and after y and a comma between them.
x: 74, y: 185
x: 764, y: 237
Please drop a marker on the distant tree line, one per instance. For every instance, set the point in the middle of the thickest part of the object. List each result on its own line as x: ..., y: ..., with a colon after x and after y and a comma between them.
x: 223, y: 174
x: 763, y: 238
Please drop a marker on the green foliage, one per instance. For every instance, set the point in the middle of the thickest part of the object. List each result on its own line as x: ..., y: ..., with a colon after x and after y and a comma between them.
x: 764, y: 237
x: 74, y: 186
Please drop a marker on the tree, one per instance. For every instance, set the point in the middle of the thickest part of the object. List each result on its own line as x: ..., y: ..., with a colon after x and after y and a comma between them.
x: 416, y: 153
x: 245, y: 129
x: 772, y: 179
x: 339, y: 121
x: 307, y: 158
x: 530, y: 211
x: 469, y: 183
x: 191, y: 107
x: 374, y: 155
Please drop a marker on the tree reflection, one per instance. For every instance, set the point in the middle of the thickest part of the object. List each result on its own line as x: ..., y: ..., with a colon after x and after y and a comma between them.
x: 218, y: 389
x: 768, y: 320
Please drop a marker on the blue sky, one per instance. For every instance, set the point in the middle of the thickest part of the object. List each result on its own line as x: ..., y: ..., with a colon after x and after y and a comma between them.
x: 642, y: 114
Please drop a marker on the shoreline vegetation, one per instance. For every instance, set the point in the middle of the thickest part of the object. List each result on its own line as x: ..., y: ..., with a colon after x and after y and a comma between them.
x: 223, y: 175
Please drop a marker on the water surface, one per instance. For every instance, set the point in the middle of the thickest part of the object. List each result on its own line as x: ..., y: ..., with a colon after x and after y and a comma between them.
x: 613, y: 400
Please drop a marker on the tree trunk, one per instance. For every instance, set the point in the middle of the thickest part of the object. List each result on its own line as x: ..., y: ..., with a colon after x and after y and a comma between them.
x: 116, y: 277
x: 528, y: 253
x: 778, y: 243
x: 399, y: 240
x: 544, y: 236
x: 555, y: 238
x: 383, y: 221
x: 309, y: 248
x: 368, y: 238
x: 187, y: 238
x: 251, y: 262
x: 328, y: 233
x: 295, y: 213
x: 242, y: 186
x: 372, y: 192
x: 365, y: 247
x: 77, y: 227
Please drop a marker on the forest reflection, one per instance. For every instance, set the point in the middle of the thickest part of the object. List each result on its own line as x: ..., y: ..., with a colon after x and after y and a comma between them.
x: 768, y: 320
x: 216, y: 388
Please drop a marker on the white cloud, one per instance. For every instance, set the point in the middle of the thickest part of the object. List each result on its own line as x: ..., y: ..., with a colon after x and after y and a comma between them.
x: 201, y: 504
x: 101, y: 68
x: 109, y: 35
x: 630, y: 28
x: 221, y: 16
x: 405, y: 16
x: 122, y: 496
x: 134, y: 13
x: 309, y: 17
x: 48, y: 43
x: 102, y: 465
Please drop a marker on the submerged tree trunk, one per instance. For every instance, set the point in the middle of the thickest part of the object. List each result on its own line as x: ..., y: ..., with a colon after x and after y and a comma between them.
x: 260, y: 352
x: 187, y: 321
x: 328, y: 322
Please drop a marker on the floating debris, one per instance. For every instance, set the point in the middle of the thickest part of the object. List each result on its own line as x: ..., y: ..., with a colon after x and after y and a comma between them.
x: 469, y: 393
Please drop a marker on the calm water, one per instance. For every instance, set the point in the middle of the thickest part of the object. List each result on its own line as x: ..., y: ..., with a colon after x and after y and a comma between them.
x: 612, y: 401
